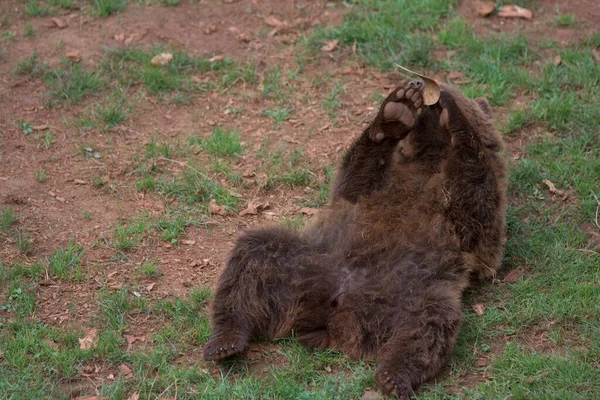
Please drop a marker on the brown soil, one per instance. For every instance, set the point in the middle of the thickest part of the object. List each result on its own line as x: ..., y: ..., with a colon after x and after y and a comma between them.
x: 52, y: 211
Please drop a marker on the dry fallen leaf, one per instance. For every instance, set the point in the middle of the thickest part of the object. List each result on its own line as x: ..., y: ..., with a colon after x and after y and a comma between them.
x: 210, y: 29
x: 216, y: 58
x: 330, y: 46
x: 512, y: 11
x: 513, y: 275
x: 125, y: 370
x: 309, y: 211
x: 162, y: 59
x: 254, y: 206
x: 119, y: 37
x: 74, y: 56
x: 432, y: 92
x: 79, y: 182
x: 89, y: 340
x: 273, y: 21
x: 150, y: 286
x: 131, y: 339
x: 555, y: 191
x: 134, y: 396
x: 60, y: 24
x: 557, y: 60
x: 481, y: 362
x: 484, y: 8
x: 596, y: 54
x: 214, y: 208
x: 479, y: 309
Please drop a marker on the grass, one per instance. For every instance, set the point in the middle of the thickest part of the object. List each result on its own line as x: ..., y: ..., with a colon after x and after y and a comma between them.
x: 564, y: 20
x: 104, y: 8
x: 40, y: 175
x: 132, y: 66
x: 222, y: 143
x: 114, y: 112
x: 7, y: 218
x: 65, y: 264
x: 71, y: 83
x: 278, y: 114
x: 129, y: 235
x: 538, y: 335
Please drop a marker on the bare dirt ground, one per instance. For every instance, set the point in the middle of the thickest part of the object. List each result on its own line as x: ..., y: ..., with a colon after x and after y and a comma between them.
x: 52, y: 212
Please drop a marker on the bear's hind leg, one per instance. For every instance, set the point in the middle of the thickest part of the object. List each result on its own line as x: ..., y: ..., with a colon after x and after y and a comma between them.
x: 255, y: 293
x: 420, y: 347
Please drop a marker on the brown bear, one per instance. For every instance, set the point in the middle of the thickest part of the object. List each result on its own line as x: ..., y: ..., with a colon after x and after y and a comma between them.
x: 417, y: 209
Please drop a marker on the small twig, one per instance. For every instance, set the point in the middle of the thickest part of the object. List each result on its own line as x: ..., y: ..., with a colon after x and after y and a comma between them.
x: 168, y: 387
x: 597, y: 208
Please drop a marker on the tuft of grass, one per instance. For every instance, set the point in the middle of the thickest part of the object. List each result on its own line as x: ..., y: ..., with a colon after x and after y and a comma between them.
x: 65, y: 264
x: 279, y: 114
x: 40, y: 175
x: 333, y: 101
x: 7, y: 218
x: 71, y: 84
x: 564, y: 20
x: 222, y: 142
x: 172, y: 228
x: 104, y: 8
x: 23, y: 241
x: 35, y: 8
x: 8, y: 35
x: 29, y: 31
x: 113, y: 112
x: 149, y: 269
x: 129, y: 235
x: 145, y: 184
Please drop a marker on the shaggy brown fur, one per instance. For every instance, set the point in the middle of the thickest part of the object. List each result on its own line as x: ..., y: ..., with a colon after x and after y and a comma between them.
x: 417, y: 209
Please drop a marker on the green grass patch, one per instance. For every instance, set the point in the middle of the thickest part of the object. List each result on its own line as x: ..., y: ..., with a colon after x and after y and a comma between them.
x: 132, y: 66
x: 71, y: 83
x: 7, y: 218
x: 128, y: 235
x: 65, y: 264
x: 104, y: 8
x: 389, y: 31
x: 222, y: 143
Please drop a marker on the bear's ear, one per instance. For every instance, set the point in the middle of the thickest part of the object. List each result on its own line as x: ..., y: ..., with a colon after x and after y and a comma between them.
x: 485, y: 106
